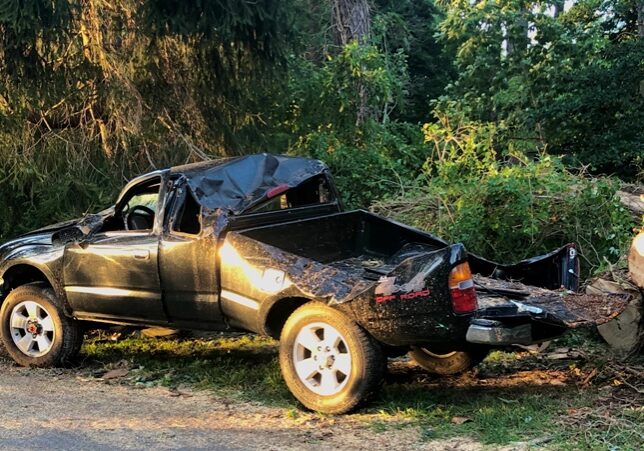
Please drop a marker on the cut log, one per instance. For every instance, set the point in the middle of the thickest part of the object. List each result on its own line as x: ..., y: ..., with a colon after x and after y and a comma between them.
x: 625, y: 333
x: 636, y: 260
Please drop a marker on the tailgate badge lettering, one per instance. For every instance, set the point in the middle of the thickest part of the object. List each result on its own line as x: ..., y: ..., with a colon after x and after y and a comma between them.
x: 387, y: 290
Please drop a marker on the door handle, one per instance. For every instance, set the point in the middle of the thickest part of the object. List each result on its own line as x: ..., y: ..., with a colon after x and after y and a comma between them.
x: 141, y: 254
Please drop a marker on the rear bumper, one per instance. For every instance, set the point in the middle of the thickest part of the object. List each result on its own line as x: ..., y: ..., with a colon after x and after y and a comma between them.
x: 495, y: 333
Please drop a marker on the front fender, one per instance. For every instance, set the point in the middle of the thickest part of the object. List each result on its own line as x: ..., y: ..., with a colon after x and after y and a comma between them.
x: 46, y: 259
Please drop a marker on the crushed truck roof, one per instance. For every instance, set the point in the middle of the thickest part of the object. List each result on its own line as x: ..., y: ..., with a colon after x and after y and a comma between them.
x: 236, y: 184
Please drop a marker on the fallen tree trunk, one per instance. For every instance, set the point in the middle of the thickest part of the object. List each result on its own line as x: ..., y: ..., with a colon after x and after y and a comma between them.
x: 632, y: 197
x: 633, y: 202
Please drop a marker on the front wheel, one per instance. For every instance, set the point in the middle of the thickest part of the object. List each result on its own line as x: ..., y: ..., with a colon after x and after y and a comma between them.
x: 447, y: 363
x: 35, y: 330
x: 329, y: 362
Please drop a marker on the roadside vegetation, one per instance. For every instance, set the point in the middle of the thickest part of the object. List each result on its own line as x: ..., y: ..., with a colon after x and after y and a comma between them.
x: 570, y: 396
x: 407, y: 101
x: 507, y: 125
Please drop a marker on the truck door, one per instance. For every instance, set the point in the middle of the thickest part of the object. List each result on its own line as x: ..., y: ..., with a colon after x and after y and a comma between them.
x: 187, y: 262
x: 114, y: 273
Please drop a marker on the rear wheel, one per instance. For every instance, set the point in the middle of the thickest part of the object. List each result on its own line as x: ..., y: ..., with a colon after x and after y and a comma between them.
x: 34, y: 329
x: 329, y: 363
x: 446, y: 363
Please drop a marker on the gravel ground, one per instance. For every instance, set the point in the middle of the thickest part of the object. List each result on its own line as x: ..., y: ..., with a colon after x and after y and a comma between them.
x: 57, y: 409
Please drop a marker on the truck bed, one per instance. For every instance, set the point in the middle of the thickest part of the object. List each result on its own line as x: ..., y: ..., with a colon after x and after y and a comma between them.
x: 356, y: 241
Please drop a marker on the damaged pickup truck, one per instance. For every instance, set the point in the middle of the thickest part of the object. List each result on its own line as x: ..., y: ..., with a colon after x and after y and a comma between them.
x: 261, y: 243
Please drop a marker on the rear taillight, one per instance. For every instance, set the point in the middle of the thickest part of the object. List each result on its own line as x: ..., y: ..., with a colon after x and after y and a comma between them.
x: 461, y: 287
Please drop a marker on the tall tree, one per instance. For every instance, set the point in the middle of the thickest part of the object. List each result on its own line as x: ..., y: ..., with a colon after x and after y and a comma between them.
x: 640, y: 19
x: 352, y: 22
x: 92, y: 92
x: 99, y: 65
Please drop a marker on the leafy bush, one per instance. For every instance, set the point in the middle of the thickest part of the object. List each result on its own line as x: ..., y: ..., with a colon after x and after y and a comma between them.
x: 507, y: 207
x: 376, y: 163
x: 370, y: 160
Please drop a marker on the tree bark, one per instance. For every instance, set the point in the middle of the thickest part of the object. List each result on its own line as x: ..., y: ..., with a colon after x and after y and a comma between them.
x: 351, y: 20
x: 558, y: 8
x: 640, y: 19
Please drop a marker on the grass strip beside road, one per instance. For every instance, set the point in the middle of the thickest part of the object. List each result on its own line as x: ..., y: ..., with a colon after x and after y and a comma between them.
x: 584, y: 401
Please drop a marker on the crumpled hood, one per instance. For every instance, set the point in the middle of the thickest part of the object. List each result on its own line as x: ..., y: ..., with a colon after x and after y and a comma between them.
x: 46, y: 235
x: 53, y: 227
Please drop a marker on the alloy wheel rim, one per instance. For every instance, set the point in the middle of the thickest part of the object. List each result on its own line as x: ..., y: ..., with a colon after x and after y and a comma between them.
x: 322, y: 359
x: 32, y: 329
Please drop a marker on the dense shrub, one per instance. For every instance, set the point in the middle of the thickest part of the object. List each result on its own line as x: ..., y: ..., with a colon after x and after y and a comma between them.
x: 507, y: 207
x: 375, y: 164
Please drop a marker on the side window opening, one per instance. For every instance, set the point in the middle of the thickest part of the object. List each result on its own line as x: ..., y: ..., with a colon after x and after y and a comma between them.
x: 188, y: 219
x: 315, y: 191
x: 137, y: 210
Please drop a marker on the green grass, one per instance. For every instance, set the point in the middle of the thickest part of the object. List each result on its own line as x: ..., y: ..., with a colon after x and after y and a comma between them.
x: 243, y: 367
x: 511, y: 397
x: 496, y: 416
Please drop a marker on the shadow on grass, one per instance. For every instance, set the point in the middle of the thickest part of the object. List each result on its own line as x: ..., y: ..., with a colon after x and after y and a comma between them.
x: 510, y: 397
x: 498, y: 405
x: 243, y: 367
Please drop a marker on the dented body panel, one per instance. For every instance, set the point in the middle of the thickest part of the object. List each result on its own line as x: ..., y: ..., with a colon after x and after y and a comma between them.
x: 226, y: 244
x: 391, y: 279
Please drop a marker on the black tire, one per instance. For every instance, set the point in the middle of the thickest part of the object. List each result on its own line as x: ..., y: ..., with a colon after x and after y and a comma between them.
x: 65, y: 337
x: 448, y: 363
x: 366, y: 368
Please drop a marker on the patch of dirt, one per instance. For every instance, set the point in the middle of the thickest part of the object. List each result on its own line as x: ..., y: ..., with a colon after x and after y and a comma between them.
x: 404, y: 371
x: 57, y: 409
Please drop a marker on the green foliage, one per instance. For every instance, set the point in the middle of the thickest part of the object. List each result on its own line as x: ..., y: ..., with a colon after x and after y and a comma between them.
x: 379, y: 162
x: 507, y: 207
x: 140, y: 70
x: 410, y: 26
x: 369, y: 161
x: 326, y: 94
x: 568, y: 84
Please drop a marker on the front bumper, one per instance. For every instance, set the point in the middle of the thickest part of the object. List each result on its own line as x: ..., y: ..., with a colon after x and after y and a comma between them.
x: 495, y: 333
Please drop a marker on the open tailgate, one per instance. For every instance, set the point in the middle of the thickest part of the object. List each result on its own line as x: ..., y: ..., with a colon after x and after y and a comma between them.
x: 499, y: 298
x: 535, y: 300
